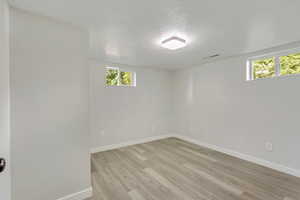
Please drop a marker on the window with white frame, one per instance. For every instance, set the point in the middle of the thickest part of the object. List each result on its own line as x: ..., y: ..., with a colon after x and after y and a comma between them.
x: 274, y: 65
x: 118, y: 77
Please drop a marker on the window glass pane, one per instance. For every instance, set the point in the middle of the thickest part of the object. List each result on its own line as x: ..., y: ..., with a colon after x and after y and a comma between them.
x: 126, y: 78
x: 263, y: 68
x: 112, y: 76
x: 290, y: 64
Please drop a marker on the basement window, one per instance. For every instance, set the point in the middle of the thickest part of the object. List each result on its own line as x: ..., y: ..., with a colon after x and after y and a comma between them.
x: 118, y: 77
x: 274, y: 65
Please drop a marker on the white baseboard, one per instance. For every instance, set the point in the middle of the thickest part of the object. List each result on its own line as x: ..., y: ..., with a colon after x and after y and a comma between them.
x: 259, y: 161
x: 82, y: 195
x: 129, y: 143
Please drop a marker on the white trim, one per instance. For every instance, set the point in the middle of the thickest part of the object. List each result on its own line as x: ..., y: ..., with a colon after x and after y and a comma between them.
x: 249, y: 75
x: 259, y: 161
x: 113, y: 68
x: 129, y: 143
x: 277, y: 66
x: 82, y: 195
x: 279, y: 53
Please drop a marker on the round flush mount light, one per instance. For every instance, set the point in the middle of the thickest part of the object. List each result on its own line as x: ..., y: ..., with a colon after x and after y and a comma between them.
x: 173, y: 43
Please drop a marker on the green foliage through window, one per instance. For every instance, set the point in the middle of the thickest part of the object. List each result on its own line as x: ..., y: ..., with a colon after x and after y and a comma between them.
x: 290, y: 64
x: 115, y: 77
x: 112, y: 76
x: 126, y: 78
x: 263, y: 68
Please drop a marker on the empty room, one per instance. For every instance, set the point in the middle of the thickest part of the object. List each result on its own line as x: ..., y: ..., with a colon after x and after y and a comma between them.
x: 149, y: 100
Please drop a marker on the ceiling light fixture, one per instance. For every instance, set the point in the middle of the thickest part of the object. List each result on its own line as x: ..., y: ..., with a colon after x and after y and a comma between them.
x: 173, y: 43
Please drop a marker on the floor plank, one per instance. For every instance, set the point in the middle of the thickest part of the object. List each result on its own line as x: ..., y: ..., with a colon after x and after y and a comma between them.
x: 173, y: 169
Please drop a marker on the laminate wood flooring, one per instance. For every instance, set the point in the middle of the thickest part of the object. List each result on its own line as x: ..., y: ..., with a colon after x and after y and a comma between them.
x: 173, y: 169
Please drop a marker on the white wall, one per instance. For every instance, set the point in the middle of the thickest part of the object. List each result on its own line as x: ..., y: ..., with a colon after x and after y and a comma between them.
x: 4, y: 98
x: 215, y: 104
x: 122, y: 114
x: 49, y: 91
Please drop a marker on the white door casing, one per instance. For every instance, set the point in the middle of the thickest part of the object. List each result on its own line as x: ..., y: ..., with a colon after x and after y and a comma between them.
x: 5, y: 193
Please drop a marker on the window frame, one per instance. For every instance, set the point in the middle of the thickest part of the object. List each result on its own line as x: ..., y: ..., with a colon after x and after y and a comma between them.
x: 276, y: 55
x: 119, y: 75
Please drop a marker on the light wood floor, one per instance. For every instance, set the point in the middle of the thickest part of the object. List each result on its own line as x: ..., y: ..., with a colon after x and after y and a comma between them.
x: 172, y: 169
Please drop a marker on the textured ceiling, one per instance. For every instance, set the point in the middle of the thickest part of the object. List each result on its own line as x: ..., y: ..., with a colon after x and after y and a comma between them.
x: 129, y: 31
